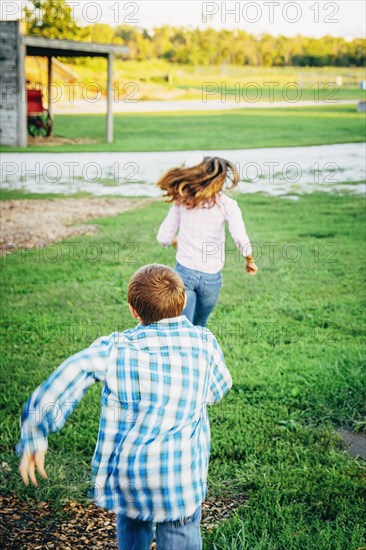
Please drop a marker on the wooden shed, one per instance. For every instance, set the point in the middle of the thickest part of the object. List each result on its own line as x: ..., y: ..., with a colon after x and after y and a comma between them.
x: 14, y: 48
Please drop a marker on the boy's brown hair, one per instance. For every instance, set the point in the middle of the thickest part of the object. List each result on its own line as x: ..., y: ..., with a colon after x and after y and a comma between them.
x: 156, y: 292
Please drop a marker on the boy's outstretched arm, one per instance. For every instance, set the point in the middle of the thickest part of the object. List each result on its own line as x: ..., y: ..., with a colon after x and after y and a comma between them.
x: 220, y: 379
x: 53, y: 401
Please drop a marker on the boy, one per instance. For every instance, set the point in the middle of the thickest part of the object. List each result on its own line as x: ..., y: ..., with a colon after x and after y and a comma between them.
x: 151, y: 458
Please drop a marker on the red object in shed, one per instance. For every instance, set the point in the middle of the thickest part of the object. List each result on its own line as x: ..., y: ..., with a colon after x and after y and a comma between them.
x: 39, y: 118
x: 34, y: 100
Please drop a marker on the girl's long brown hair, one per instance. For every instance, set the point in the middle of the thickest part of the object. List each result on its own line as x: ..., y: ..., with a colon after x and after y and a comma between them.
x: 196, y: 185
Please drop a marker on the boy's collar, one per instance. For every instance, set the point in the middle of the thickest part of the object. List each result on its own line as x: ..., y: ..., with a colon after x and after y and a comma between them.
x: 171, y: 322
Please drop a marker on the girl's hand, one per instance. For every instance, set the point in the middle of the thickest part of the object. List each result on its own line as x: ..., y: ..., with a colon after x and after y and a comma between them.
x: 251, y: 268
x: 175, y: 242
x: 28, y: 465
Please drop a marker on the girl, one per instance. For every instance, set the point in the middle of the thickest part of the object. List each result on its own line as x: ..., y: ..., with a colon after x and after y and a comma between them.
x: 199, y: 212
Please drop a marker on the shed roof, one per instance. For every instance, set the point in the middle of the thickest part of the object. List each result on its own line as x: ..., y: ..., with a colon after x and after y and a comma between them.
x: 37, y: 45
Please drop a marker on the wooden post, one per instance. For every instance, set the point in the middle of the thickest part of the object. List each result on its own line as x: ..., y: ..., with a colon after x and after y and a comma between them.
x: 110, y: 99
x: 49, y: 81
x: 22, y: 94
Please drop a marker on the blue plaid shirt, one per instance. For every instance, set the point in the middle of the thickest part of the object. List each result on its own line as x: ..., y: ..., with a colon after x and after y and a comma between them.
x: 153, y: 446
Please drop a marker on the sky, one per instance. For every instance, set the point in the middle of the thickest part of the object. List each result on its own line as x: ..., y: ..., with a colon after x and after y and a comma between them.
x: 344, y: 18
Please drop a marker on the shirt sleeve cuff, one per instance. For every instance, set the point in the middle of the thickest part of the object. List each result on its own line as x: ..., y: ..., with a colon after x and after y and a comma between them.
x: 31, y: 442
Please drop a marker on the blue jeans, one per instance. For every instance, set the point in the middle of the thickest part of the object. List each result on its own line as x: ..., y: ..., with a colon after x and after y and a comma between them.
x: 202, y: 291
x: 183, y: 534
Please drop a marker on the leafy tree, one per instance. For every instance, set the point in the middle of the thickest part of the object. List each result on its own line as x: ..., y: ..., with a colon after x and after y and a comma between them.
x: 102, y: 33
x: 52, y: 19
x: 357, y: 52
x: 194, y: 46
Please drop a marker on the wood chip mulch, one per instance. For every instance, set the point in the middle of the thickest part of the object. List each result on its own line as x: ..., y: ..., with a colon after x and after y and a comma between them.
x: 36, y: 525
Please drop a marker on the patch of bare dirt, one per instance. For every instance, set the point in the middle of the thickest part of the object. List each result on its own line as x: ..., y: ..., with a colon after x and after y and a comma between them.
x: 33, y: 526
x: 52, y: 140
x: 355, y: 443
x: 39, y: 223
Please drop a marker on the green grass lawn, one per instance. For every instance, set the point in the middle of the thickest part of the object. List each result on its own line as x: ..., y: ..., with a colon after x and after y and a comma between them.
x: 157, y: 78
x: 255, y: 93
x: 237, y: 129
x: 292, y: 337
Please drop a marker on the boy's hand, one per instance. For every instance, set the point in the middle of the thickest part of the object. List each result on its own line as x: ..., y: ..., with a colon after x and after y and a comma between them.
x: 251, y: 268
x: 175, y: 242
x: 28, y: 465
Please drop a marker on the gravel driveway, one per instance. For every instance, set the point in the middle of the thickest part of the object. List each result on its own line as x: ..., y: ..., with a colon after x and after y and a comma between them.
x: 38, y: 223
x: 276, y: 171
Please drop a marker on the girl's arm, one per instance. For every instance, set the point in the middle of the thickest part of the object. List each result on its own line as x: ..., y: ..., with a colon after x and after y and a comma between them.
x: 237, y: 228
x: 169, y: 228
x: 238, y: 232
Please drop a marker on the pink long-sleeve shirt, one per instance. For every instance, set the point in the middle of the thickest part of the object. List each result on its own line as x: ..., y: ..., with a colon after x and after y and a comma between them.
x: 201, y: 233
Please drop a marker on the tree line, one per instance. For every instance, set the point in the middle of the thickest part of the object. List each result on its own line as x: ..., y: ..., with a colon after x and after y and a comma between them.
x: 195, y: 46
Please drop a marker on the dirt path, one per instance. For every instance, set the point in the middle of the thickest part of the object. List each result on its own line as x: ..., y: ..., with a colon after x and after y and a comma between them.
x: 178, y: 105
x: 38, y: 223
